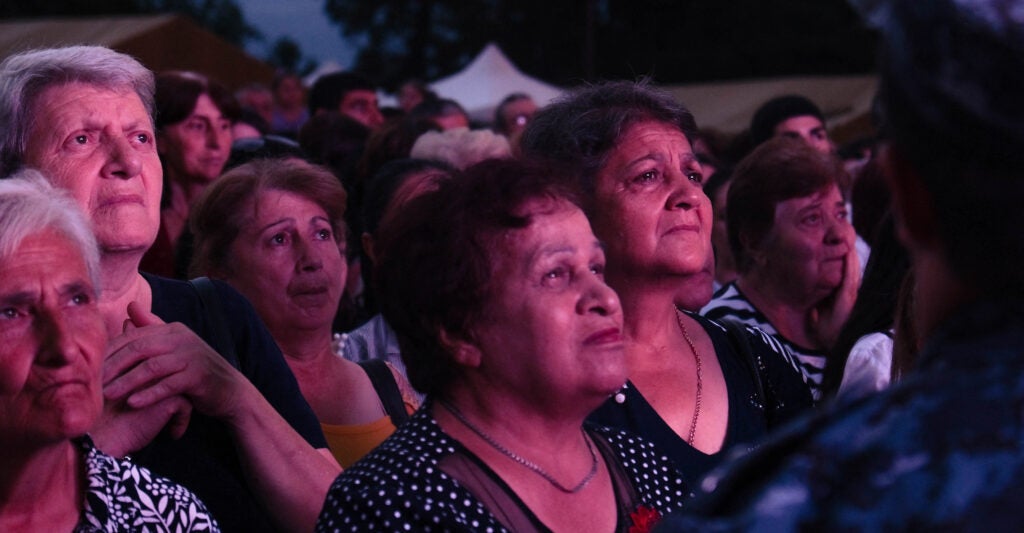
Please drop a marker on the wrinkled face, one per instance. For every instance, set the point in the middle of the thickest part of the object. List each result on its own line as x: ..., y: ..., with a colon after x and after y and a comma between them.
x: 99, y: 145
x: 362, y: 106
x: 197, y: 148
x: 52, y: 341
x: 287, y: 263
x: 805, y: 251
x: 552, y: 328
x: 807, y: 128
x: 650, y: 209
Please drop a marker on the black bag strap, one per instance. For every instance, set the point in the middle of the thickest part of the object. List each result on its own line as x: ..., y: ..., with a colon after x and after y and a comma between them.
x: 387, y: 389
x: 220, y: 337
x: 739, y: 337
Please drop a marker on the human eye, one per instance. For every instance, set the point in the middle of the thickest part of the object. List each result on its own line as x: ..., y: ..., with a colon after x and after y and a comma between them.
x: 646, y: 177
x: 597, y: 268
x: 279, y: 238
x: 9, y: 313
x: 556, y: 277
x: 142, y: 138
x: 695, y: 176
x: 812, y: 218
x: 323, y: 234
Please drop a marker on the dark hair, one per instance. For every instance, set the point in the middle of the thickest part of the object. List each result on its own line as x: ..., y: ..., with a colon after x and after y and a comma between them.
x: 875, y: 308
x: 221, y: 211
x: 500, y: 124
x: 870, y: 198
x: 330, y: 89
x: 579, y: 129
x: 378, y: 194
x: 177, y: 92
x: 336, y: 141
x: 446, y: 238
x: 778, y: 110
x: 778, y: 170
x: 281, y: 76
x: 955, y: 114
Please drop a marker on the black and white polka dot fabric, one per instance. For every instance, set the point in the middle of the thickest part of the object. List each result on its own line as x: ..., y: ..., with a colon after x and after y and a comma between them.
x: 399, y: 487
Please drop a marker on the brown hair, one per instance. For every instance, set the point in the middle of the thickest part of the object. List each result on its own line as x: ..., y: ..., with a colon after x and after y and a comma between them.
x: 436, y: 264
x: 220, y: 213
x: 779, y: 169
x: 178, y: 91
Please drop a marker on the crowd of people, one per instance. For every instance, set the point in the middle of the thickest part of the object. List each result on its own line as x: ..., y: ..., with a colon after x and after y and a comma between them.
x: 284, y: 309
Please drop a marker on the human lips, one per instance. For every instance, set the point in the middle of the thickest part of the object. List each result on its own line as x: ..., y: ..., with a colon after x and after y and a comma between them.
x: 115, y: 200
x: 683, y: 227
x: 605, y: 336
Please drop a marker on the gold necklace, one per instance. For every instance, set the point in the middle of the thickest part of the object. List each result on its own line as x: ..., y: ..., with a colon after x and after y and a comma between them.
x: 700, y: 380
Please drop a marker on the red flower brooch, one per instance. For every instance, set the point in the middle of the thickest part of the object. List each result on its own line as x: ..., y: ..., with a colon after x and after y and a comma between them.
x: 644, y: 519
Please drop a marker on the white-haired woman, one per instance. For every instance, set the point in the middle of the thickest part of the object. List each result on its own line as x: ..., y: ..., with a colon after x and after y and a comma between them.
x: 253, y: 450
x: 52, y: 341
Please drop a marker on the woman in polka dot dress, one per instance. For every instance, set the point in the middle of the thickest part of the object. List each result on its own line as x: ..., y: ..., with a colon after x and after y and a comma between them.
x: 515, y: 338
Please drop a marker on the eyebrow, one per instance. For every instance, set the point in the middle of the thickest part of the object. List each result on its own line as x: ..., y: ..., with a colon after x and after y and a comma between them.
x: 277, y: 223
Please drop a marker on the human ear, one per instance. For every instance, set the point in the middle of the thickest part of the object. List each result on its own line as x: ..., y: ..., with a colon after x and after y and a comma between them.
x: 464, y: 352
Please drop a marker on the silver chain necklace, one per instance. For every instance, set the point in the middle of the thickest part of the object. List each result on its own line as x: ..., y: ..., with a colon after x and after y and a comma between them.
x: 519, y: 459
x: 700, y: 381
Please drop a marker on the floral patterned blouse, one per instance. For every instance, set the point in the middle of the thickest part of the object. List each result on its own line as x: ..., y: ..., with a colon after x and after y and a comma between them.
x: 123, y: 497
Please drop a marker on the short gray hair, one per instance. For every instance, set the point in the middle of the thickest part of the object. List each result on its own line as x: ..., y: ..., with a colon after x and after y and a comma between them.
x: 29, y: 205
x: 24, y: 76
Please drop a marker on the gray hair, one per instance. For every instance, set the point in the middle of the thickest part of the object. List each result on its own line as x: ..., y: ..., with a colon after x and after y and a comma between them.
x: 579, y: 129
x: 24, y: 76
x: 30, y: 205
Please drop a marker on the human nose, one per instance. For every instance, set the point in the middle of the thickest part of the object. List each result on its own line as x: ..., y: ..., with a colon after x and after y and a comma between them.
x: 599, y: 298
x: 122, y: 161
x: 839, y: 231
x: 56, y: 340
x: 686, y: 194
x: 309, y: 256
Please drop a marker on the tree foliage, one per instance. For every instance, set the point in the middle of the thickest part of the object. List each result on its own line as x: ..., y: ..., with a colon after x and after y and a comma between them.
x: 572, y: 40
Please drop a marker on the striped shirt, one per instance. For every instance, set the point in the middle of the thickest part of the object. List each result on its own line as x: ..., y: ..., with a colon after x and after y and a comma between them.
x: 729, y: 303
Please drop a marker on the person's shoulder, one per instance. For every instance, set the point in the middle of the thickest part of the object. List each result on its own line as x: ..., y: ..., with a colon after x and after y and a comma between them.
x: 655, y: 476
x: 730, y: 302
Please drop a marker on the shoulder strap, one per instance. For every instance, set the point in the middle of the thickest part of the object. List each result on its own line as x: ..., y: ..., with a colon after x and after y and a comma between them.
x: 387, y: 389
x: 740, y: 340
x: 220, y: 337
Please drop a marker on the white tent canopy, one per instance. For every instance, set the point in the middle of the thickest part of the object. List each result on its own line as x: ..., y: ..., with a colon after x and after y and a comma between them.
x: 488, y: 79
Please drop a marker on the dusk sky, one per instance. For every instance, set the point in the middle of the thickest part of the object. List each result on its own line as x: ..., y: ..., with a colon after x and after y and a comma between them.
x: 304, y: 22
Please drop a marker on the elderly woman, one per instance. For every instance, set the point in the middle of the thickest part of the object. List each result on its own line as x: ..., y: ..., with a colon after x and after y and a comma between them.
x: 52, y: 477
x: 793, y: 247
x: 273, y: 229
x: 693, y: 389
x: 253, y: 450
x: 193, y: 128
x: 515, y: 339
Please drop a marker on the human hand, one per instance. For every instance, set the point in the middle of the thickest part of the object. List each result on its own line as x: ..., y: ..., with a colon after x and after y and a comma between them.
x: 154, y: 361
x: 826, y: 320
x: 121, y: 430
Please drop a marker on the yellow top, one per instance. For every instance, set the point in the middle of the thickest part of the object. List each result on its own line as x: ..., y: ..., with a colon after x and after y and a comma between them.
x: 349, y: 444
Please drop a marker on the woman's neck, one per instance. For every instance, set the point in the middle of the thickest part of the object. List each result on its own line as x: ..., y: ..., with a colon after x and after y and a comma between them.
x: 121, y: 284
x: 41, y: 490
x: 304, y: 346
